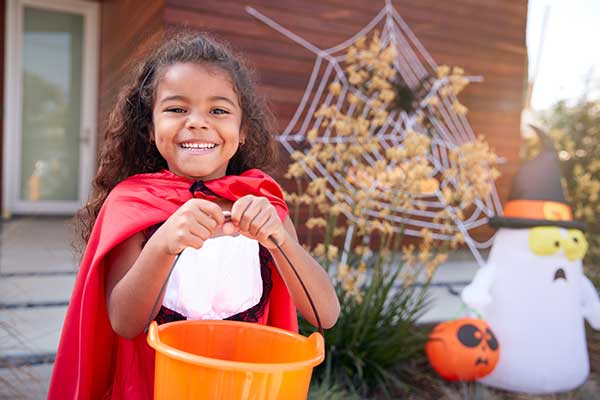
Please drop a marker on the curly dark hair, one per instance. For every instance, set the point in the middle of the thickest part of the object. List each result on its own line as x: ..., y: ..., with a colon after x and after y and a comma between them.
x: 127, y: 149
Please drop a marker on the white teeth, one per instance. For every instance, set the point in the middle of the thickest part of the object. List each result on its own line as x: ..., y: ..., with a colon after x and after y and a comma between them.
x: 204, y: 146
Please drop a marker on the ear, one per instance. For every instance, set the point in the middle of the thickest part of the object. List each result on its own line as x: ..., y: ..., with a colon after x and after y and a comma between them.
x: 243, y: 134
x: 151, y: 133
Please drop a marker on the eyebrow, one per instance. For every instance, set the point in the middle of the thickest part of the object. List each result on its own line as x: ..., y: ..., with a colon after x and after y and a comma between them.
x: 175, y: 97
x: 213, y: 98
x: 225, y: 99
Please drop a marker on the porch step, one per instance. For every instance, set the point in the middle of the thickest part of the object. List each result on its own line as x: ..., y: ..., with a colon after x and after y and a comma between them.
x: 35, y: 290
x: 27, y: 332
x: 26, y: 382
x: 36, y: 245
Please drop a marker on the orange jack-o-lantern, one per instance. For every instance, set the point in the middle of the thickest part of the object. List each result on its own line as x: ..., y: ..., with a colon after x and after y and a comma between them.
x: 463, y: 350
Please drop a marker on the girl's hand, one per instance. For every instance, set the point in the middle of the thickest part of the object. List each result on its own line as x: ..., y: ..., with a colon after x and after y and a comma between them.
x: 256, y: 218
x: 194, y: 222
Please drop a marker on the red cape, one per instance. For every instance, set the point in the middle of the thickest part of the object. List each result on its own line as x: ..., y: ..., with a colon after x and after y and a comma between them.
x: 93, y: 362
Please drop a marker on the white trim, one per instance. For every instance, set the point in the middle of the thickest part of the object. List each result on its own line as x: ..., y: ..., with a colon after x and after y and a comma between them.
x: 89, y: 118
x: 13, y: 104
x: 45, y: 208
x: 10, y: 107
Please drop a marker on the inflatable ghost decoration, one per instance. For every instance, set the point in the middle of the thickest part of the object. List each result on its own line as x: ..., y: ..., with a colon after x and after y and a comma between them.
x: 532, y: 291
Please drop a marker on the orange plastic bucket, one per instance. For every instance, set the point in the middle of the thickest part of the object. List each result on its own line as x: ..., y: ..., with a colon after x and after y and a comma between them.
x: 232, y: 360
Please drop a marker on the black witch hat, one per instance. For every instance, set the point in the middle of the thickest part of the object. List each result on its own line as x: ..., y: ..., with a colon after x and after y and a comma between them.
x: 536, y: 196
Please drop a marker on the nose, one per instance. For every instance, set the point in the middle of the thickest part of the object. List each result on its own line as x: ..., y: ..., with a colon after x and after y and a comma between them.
x: 196, y: 121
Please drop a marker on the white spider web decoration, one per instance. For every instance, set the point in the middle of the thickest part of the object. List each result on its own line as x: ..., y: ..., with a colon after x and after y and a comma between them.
x: 413, y: 64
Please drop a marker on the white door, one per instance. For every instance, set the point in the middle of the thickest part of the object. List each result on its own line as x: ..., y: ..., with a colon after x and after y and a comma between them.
x: 50, y: 101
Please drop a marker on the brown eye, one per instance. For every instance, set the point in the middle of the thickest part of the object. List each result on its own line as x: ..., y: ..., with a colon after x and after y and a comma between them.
x: 576, y: 240
x: 176, y: 110
x: 218, y: 111
x: 557, y: 244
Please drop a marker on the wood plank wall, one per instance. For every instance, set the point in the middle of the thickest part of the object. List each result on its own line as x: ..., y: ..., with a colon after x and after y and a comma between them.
x: 127, y: 28
x: 485, y: 38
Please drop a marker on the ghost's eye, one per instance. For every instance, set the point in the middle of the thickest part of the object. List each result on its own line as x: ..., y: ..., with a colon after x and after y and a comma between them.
x: 469, y: 335
x: 545, y: 240
x: 575, y: 246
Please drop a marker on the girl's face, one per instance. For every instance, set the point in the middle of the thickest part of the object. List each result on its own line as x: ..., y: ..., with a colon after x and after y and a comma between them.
x: 196, y: 120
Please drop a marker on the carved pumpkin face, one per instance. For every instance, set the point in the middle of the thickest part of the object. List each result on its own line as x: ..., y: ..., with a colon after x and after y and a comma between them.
x: 463, y: 350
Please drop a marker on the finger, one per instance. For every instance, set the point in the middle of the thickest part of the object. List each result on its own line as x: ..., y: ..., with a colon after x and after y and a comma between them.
x: 239, y: 209
x: 195, y: 242
x: 252, y: 211
x: 208, y: 219
x: 265, y: 230
x: 186, y: 239
x: 210, y: 209
x: 202, y: 231
x: 258, y: 222
x: 229, y: 228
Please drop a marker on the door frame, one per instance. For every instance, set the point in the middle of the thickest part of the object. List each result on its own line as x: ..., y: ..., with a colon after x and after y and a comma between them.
x: 11, y: 180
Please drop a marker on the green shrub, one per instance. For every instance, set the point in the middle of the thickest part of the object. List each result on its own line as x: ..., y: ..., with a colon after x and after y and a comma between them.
x: 375, y: 334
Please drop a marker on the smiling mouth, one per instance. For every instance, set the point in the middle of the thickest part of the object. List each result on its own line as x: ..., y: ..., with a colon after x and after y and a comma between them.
x: 198, y: 146
x: 560, y: 274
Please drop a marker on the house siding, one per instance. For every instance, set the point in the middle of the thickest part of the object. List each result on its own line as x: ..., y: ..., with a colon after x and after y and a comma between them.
x: 484, y: 38
x: 127, y: 28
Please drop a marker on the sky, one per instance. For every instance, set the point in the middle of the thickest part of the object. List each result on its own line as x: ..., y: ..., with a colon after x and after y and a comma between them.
x: 570, y: 49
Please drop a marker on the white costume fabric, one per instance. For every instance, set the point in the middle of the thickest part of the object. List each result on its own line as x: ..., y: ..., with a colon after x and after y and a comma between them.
x: 536, y: 305
x: 217, y: 281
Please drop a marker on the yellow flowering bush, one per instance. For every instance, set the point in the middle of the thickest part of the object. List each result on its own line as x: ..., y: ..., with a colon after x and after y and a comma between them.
x: 356, y: 212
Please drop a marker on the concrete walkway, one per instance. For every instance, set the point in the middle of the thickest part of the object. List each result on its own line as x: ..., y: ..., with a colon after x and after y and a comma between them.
x: 37, y: 272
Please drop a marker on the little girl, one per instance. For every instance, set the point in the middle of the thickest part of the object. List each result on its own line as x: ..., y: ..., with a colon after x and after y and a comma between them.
x: 182, y: 151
